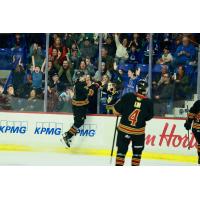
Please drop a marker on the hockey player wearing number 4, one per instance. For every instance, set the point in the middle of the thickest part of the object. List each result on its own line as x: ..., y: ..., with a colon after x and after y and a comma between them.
x: 193, y: 119
x: 135, y: 110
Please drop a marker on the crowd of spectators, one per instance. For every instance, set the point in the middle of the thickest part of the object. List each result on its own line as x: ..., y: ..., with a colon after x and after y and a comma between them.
x: 73, y: 53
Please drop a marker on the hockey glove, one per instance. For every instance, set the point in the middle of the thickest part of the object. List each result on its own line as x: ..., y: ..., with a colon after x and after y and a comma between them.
x: 187, y: 126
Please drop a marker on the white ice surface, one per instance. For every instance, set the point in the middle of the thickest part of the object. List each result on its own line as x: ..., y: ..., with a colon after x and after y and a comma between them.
x: 61, y: 159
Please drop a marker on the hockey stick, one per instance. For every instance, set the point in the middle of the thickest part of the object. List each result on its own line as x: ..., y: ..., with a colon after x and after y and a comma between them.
x: 188, y: 131
x: 113, y: 144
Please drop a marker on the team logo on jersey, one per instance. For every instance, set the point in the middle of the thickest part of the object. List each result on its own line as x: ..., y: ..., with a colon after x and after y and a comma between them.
x: 137, y: 104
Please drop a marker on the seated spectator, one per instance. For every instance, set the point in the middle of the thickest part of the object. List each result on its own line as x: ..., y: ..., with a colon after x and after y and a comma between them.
x: 36, y: 76
x: 56, y: 84
x: 134, y: 77
x: 158, y: 80
x: 65, y: 73
x: 166, y: 57
x: 163, y: 95
x: 105, y: 58
x: 3, y: 100
x: 59, y: 47
x: 82, y: 68
x: 88, y: 49
x: 185, y: 53
x: 65, y: 98
x: 104, y: 71
x: 145, y: 49
x: 90, y: 67
x: 182, y: 88
x: 133, y: 55
x: 18, y: 77
x: 110, y: 46
x: 136, y: 41
x: 52, y: 99
x: 33, y: 103
x: 121, y: 55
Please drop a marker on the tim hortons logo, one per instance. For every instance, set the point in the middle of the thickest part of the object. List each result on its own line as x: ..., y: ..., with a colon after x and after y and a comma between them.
x: 171, y: 138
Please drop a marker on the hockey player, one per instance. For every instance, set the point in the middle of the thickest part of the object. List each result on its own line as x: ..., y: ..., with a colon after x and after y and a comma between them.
x: 193, y: 119
x: 79, y: 106
x: 135, y: 110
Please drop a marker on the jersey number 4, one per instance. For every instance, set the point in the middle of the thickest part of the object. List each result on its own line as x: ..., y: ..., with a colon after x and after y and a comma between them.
x: 133, y: 117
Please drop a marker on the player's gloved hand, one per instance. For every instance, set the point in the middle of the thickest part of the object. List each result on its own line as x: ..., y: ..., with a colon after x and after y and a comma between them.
x: 187, y: 126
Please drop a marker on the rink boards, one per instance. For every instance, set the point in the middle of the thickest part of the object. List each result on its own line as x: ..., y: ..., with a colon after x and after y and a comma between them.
x: 166, y: 138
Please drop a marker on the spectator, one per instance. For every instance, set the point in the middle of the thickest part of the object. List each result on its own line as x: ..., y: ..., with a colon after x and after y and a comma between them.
x: 88, y: 49
x: 159, y: 78
x: 166, y: 57
x: 145, y: 50
x: 65, y: 73
x: 104, y: 71
x: 133, y: 55
x: 36, y: 76
x: 113, y: 95
x: 121, y: 55
x: 65, y: 99
x: 90, y: 67
x: 56, y: 58
x: 163, y: 95
x: 59, y: 47
x: 185, y: 53
x: 74, y: 56
x: 82, y: 68
x: 110, y: 46
x: 33, y: 103
x: 134, y: 77
x: 36, y: 55
x: 56, y: 84
x: 52, y: 100
x: 3, y: 100
x: 182, y: 88
x: 18, y: 78
x: 108, y: 60
x: 136, y: 41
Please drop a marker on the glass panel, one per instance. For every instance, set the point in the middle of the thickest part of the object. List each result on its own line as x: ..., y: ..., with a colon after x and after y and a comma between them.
x: 21, y: 79
x: 71, y: 54
x: 175, y: 74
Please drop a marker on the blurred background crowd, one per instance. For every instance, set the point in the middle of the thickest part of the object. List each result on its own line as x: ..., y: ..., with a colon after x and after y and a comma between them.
x: 120, y: 62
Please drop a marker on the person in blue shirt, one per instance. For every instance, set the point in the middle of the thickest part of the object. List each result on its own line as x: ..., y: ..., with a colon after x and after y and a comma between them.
x: 133, y: 55
x: 134, y: 77
x: 185, y: 53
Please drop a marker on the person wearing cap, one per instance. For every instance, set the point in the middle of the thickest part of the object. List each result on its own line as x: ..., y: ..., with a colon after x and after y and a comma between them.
x: 135, y: 110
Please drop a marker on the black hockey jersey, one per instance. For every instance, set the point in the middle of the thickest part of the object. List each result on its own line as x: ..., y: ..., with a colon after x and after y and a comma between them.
x: 81, y: 91
x: 194, y: 115
x: 135, y: 109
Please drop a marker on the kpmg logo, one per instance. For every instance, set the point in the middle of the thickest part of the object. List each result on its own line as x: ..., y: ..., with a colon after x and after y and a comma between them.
x: 87, y: 130
x: 48, y: 128
x: 13, y: 127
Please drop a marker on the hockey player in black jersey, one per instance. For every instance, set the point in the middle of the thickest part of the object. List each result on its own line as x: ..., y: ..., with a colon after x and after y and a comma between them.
x: 135, y: 110
x: 193, y: 120
x: 79, y: 106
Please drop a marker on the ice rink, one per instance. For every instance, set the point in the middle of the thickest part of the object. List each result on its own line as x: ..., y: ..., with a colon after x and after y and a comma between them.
x: 62, y: 159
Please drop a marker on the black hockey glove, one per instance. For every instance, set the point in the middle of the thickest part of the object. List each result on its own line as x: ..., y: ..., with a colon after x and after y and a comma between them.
x: 187, y: 126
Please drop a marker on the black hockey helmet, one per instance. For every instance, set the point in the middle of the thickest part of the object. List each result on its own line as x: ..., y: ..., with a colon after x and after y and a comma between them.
x: 142, y: 86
